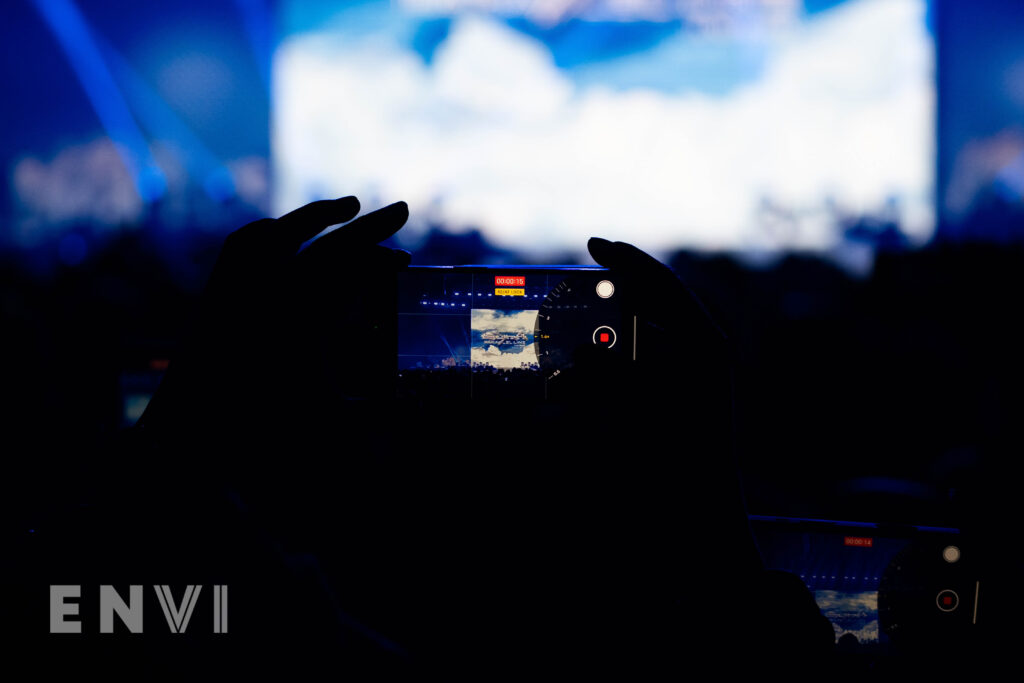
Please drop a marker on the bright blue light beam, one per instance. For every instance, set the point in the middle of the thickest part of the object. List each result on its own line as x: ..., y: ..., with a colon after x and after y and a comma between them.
x: 73, y: 35
x: 163, y: 123
x: 450, y: 349
x: 257, y: 18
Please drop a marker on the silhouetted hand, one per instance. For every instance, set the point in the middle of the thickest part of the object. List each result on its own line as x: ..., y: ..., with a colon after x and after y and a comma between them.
x: 480, y: 529
x: 656, y: 449
x: 284, y: 335
x: 663, y: 303
x: 684, y: 385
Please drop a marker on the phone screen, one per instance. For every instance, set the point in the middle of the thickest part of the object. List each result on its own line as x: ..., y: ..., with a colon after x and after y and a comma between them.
x: 876, y: 584
x: 481, y: 332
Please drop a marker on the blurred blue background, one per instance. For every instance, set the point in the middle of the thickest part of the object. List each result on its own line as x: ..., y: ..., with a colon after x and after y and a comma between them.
x: 840, y: 180
x: 754, y: 128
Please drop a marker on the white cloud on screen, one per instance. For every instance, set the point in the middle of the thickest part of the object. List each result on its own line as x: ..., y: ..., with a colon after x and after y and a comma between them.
x: 502, y: 321
x: 864, y: 603
x: 493, y: 356
x: 483, y: 319
x: 847, y: 609
x: 493, y: 135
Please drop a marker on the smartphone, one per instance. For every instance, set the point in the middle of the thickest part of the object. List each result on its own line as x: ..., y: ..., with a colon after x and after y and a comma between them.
x: 886, y: 589
x: 507, y: 332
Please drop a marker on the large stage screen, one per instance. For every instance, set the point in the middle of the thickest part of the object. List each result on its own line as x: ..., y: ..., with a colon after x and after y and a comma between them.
x: 749, y: 125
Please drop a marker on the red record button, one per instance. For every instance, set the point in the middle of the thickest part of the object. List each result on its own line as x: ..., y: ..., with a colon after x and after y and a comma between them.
x: 604, y: 336
x: 947, y: 600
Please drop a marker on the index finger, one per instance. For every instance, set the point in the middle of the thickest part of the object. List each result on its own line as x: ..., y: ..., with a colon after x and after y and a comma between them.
x: 372, y: 228
x: 306, y: 222
x: 661, y: 289
x: 629, y: 259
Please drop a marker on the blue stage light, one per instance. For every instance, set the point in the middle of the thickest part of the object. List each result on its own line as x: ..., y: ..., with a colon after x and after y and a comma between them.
x: 162, y: 122
x: 69, y: 27
x: 258, y: 19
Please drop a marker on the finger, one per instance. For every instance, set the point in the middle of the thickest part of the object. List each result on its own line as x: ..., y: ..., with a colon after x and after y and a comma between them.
x: 402, y: 258
x: 603, y: 251
x: 658, y: 284
x: 638, y: 264
x: 370, y: 229
x: 623, y: 256
x: 308, y: 221
x: 369, y: 258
